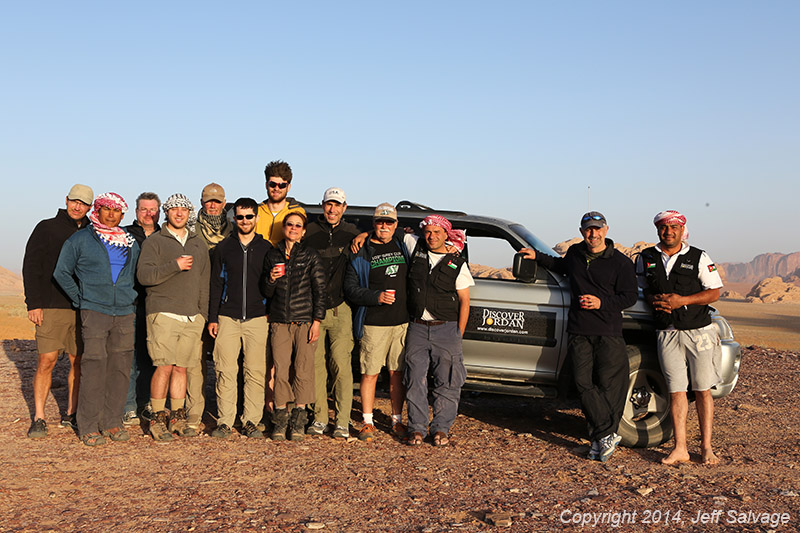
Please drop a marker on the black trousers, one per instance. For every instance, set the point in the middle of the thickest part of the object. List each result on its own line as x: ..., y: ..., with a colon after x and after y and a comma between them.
x: 600, y: 365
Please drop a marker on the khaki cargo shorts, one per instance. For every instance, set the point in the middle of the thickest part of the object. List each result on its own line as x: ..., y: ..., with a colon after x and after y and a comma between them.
x: 59, y: 332
x: 174, y: 342
x: 383, y: 345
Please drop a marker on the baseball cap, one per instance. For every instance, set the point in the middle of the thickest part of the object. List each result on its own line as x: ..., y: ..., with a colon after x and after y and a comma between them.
x: 334, y: 194
x: 385, y: 211
x: 83, y: 193
x: 213, y: 191
x: 593, y: 219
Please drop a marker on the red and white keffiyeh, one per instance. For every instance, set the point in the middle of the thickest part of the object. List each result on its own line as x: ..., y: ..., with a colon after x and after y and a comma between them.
x: 113, y: 236
x: 672, y: 217
x: 456, y: 237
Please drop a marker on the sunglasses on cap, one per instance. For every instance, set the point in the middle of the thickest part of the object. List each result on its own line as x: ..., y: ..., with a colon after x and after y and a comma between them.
x: 245, y: 217
x: 592, y: 217
x: 273, y: 184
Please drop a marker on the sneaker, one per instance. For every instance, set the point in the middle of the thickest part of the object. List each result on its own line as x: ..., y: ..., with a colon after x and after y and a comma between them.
x: 367, y: 433
x: 178, y: 425
x: 317, y: 428
x: 297, y: 424
x: 251, y: 431
x: 399, y: 430
x: 69, y: 421
x: 38, y: 429
x: 594, y: 451
x: 116, y: 434
x: 222, y: 431
x: 280, y: 421
x: 130, y: 418
x: 341, y: 432
x: 147, y: 412
x: 158, y: 427
x: 607, y: 446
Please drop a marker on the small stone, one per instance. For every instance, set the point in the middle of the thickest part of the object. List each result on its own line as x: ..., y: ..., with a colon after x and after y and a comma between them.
x: 315, y: 525
x: 499, y: 519
x: 52, y: 494
x: 644, y: 491
x: 789, y: 493
x: 593, y: 492
x: 524, y: 435
x: 250, y: 511
x: 513, y: 490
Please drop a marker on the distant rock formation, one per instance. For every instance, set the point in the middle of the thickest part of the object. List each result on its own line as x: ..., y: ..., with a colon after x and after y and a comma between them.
x: 763, y: 266
x: 483, y: 271
x: 731, y: 295
x: 10, y: 283
x: 774, y: 290
x: 632, y: 252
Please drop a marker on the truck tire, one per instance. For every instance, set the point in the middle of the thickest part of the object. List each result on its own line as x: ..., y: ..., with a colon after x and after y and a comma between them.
x: 645, y: 419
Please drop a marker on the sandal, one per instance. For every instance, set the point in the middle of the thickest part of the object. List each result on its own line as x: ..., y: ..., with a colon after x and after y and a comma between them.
x: 116, y: 434
x: 93, y: 439
x: 440, y: 439
x: 415, y: 439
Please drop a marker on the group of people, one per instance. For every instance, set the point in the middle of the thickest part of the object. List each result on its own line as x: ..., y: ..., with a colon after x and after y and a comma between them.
x: 262, y: 289
x: 679, y: 281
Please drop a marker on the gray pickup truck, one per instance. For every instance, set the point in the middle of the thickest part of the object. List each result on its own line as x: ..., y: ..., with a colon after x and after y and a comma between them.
x: 515, y: 341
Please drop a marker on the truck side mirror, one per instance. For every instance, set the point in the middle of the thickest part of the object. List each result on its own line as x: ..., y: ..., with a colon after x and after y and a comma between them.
x: 524, y: 269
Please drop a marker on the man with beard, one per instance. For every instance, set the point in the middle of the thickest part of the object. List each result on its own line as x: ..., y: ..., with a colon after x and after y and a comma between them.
x: 49, y: 307
x: 602, y: 283
x: 278, y: 204
x: 238, y: 319
x: 174, y: 267
x: 102, y: 257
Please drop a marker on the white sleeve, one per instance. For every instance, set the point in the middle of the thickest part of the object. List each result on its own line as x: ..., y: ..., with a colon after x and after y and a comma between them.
x: 464, y: 279
x: 709, y: 277
x: 410, y: 240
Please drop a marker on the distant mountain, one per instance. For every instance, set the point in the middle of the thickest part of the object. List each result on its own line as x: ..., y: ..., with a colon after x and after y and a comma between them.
x: 761, y: 267
x: 632, y: 252
x: 10, y: 283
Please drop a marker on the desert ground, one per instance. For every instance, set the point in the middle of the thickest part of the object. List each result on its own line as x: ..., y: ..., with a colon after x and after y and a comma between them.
x: 513, y: 461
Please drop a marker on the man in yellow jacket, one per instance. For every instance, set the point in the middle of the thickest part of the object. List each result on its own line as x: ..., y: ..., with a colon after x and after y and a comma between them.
x: 274, y: 209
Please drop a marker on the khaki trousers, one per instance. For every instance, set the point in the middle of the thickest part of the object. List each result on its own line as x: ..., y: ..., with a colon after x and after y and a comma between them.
x: 338, y: 327
x: 294, y: 363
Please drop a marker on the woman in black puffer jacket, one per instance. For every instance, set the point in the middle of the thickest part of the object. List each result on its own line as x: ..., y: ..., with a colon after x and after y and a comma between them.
x: 295, y: 283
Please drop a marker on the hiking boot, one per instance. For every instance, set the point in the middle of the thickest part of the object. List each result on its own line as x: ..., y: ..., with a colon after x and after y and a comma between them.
x: 130, y: 418
x: 38, y: 429
x: 222, y: 431
x: 341, y: 432
x: 297, y: 423
x: 280, y: 421
x: 116, y: 434
x: 317, y: 428
x: 367, y: 433
x: 594, y: 451
x: 178, y: 425
x: 158, y: 427
x: 607, y: 446
x: 399, y: 430
x: 251, y: 431
x: 69, y: 421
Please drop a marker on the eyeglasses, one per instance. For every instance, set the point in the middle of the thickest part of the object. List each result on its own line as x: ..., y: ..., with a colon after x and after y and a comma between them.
x: 386, y: 222
x: 273, y: 184
x: 245, y: 217
x: 592, y: 217
x: 290, y: 225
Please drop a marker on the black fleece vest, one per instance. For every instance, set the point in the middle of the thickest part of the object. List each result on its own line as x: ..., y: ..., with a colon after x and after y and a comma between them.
x: 433, y: 290
x: 683, y: 280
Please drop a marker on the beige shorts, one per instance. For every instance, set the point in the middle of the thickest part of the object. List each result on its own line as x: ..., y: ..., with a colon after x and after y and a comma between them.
x: 173, y: 342
x: 694, y: 353
x: 59, y: 332
x: 383, y: 346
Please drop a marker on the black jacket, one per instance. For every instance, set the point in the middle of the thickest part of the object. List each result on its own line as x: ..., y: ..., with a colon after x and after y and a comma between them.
x: 235, y: 279
x: 41, y: 254
x: 138, y: 231
x: 332, y: 243
x: 298, y: 295
x: 611, y: 277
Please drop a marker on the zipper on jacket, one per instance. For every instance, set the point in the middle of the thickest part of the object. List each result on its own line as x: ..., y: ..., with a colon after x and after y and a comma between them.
x: 244, y: 283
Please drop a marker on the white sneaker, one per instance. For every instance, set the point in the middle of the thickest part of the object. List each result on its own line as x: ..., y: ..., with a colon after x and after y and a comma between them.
x: 607, y: 446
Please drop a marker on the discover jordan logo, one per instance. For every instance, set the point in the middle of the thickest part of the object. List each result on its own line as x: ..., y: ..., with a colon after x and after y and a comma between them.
x: 503, y: 319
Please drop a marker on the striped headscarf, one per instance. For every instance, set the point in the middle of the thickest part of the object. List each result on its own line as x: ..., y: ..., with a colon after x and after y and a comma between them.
x: 181, y: 200
x: 456, y: 237
x: 115, y: 236
x: 672, y: 217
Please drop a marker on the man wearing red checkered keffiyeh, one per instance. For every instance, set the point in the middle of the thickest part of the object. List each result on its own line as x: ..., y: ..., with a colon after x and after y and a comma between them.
x: 113, y: 235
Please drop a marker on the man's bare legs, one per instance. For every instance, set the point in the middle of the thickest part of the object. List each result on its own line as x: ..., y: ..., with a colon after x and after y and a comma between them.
x: 168, y: 378
x: 396, y: 392
x: 705, y: 414
x: 678, y: 410
x: 43, y: 380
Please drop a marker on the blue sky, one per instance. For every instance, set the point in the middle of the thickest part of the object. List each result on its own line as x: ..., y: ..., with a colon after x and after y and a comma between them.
x: 512, y: 109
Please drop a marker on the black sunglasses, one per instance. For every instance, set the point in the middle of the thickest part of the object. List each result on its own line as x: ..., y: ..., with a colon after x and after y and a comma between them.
x: 273, y: 184
x: 243, y: 217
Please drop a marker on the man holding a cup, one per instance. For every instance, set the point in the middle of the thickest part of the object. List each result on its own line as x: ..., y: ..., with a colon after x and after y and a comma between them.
x: 375, y: 281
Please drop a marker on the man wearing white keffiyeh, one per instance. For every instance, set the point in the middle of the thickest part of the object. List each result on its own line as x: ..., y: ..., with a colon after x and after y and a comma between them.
x: 102, y: 258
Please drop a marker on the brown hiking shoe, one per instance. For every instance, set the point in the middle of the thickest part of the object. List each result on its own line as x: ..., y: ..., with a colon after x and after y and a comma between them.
x: 158, y: 427
x: 399, y: 430
x: 367, y: 433
x: 178, y: 425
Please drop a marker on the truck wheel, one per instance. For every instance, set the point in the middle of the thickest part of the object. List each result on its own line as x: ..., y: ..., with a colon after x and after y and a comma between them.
x: 645, y: 420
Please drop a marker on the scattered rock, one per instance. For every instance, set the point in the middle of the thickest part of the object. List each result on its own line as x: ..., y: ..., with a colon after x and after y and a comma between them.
x: 314, y: 525
x: 789, y: 493
x: 644, y: 491
x: 593, y: 492
x: 499, y: 519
